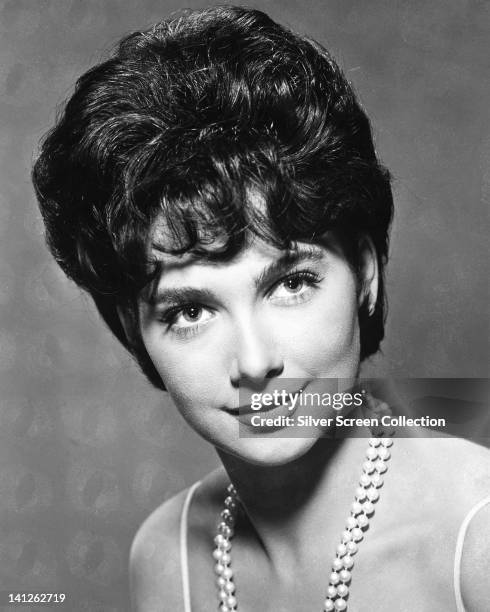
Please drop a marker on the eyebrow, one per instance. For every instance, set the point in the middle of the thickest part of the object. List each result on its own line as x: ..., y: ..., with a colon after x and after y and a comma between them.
x: 290, y: 258
x: 180, y: 295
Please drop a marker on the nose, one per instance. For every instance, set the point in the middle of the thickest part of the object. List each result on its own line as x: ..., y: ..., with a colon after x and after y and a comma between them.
x: 256, y: 358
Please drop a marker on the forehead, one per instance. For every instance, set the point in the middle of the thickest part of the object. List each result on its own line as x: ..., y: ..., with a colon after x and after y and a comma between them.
x: 256, y: 263
x: 187, y: 277
x: 253, y: 250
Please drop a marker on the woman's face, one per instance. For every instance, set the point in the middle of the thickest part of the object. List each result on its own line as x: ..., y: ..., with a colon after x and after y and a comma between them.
x: 218, y: 332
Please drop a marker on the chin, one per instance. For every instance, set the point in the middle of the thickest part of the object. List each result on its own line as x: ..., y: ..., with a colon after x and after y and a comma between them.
x: 269, y: 450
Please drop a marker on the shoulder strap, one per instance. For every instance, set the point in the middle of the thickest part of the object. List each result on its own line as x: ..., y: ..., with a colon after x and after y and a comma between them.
x: 459, y: 551
x: 184, y: 564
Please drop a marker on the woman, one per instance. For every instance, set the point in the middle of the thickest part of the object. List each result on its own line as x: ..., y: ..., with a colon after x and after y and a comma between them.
x: 215, y: 187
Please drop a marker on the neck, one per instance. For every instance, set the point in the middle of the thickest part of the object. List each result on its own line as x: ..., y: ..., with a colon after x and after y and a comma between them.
x: 289, y: 505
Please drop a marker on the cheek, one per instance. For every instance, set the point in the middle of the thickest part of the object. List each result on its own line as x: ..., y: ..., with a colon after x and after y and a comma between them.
x: 326, y: 336
x: 191, y: 372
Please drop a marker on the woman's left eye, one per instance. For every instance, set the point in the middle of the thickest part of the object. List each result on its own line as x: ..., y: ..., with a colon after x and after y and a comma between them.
x: 294, y: 287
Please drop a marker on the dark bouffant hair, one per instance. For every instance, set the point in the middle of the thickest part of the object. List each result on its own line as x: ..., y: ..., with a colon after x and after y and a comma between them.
x: 184, y: 122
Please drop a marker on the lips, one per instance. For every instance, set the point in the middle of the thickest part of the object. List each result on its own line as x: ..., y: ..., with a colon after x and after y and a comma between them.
x: 247, y: 409
x: 243, y: 413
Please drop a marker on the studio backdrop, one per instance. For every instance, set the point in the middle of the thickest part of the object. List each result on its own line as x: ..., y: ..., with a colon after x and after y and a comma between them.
x: 87, y: 448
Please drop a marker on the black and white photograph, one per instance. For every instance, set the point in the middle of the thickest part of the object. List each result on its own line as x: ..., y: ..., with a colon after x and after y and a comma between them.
x: 244, y: 306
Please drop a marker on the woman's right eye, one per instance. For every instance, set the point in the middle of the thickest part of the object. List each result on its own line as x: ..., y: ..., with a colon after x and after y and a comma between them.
x: 187, y: 317
x: 192, y: 314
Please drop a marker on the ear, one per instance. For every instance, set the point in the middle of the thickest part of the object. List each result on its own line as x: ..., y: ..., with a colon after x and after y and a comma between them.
x: 368, y: 274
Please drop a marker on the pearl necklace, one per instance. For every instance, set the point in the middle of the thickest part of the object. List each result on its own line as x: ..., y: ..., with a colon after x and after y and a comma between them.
x: 366, y: 496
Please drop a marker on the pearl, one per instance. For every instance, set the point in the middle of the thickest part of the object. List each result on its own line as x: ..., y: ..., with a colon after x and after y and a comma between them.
x: 352, y: 548
x: 230, y: 503
x: 357, y: 534
x: 341, y: 550
x: 337, y: 590
x: 351, y: 522
x: 225, y: 530
x: 337, y: 564
x: 346, y: 536
x: 225, y: 545
x: 372, y: 494
x: 384, y: 453
x: 368, y: 467
x: 340, y: 604
x: 227, y: 516
x: 362, y: 519
x: 371, y: 453
x: 365, y: 480
x: 360, y: 493
x: 226, y: 559
x: 227, y: 573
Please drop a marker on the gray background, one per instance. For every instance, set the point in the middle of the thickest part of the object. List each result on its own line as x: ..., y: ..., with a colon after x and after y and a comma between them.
x: 87, y: 449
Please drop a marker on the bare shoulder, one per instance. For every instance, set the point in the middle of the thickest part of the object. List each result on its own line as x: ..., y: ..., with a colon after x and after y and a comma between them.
x: 468, y: 466
x: 154, y: 561
x: 475, y: 559
x: 453, y: 479
x: 455, y: 466
x: 471, y: 463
